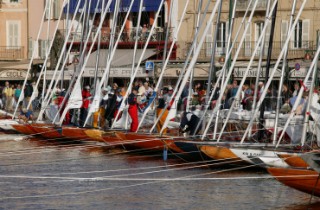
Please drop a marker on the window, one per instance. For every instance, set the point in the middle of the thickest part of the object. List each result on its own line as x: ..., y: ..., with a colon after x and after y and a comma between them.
x: 10, y: 1
x: 13, y: 34
x: 258, y: 32
x: 42, y: 48
x: 52, y: 9
x: 297, y: 38
x: 222, y: 35
x: 247, y: 41
x: 161, y: 18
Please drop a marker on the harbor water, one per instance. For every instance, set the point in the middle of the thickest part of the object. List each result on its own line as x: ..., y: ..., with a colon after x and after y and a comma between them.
x: 53, y: 174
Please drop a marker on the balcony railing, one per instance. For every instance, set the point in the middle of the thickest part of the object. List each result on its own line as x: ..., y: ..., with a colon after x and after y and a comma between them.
x: 159, y: 34
x: 242, y: 5
x: 247, y: 49
x: 11, y: 53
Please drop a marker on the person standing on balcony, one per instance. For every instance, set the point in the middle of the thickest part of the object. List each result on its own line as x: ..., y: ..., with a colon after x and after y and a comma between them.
x: 144, y: 32
x: 8, y: 94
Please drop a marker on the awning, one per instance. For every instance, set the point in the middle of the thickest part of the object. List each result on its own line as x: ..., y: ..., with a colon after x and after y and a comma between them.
x: 122, y: 57
x: 173, y: 72
x: 239, y: 72
x: 13, y: 75
x: 148, y: 5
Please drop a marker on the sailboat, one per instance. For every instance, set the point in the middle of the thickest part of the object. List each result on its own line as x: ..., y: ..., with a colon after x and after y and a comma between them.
x: 303, y: 179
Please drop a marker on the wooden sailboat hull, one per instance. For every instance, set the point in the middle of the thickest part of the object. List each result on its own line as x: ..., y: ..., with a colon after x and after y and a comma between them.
x: 142, y: 141
x: 75, y: 133
x: 304, y: 180
x: 48, y: 130
x: 24, y: 129
x: 294, y: 160
x: 187, y: 150
x: 260, y: 157
x: 95, y: 134
x: 6, y: 126
x: 221, y: 153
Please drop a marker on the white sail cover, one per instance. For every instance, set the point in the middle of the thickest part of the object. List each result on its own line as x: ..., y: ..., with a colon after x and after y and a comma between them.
x: 94, y: 106
x: 75, y: 100
x: 315, y: 114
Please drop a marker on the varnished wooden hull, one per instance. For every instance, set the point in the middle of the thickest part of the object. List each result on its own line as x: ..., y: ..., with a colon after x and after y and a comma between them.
x: 75, y: 133
x: 24, y: 129
x: 142, y: 141
x: 187, y: 150
x: 294, y: 160
x: 221, y: 153
x: 48, y: 131
x: 304, y: 180
x: 95, y: 134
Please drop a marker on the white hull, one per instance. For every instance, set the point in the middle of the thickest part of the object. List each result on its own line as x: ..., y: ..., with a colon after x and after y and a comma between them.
x: 6, y: 124
x: 260, y: 157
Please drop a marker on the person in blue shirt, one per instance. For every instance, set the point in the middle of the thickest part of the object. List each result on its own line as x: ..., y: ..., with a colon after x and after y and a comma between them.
x: 25, y: 114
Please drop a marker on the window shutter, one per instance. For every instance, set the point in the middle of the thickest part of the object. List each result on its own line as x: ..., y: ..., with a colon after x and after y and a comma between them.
x: 56, y: 10
x: 209, y: 41
x: 247, y: 41
x: 284, y: 32
x: 305, y: 33
x: 267, y: 38
x: 30, y: 48
x: 16, y: 35
x: 227, y: 37
x: 10, y: 35
x: 42, y: 48
x: 47, y: 8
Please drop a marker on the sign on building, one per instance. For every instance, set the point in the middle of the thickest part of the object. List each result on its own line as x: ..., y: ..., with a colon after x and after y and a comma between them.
x: 149, y: 65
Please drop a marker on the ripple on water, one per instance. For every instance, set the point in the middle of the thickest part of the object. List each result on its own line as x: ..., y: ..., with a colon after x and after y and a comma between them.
x: 38, y: 158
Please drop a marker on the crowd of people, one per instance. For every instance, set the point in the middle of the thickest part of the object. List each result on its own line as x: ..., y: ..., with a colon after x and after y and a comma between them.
x: 10, y: 94
x: 142, y: 95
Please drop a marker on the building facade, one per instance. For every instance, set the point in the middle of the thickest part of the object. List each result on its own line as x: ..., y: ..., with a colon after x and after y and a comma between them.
x: 302, y: 43
x: 14, y: 29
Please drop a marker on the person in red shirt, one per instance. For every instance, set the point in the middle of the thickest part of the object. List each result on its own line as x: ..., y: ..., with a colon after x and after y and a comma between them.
x: 133, y: 110
x: 86, y: 95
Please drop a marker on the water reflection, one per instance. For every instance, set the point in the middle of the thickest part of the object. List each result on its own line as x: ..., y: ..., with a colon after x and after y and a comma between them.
x: 42, y: 174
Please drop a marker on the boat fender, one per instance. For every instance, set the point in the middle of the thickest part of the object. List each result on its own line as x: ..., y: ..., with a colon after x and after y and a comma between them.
x: 165, y: 153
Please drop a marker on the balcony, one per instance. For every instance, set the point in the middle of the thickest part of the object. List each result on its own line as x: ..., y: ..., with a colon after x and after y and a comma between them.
x: 242, y: 5
x: 247, y: 49
x: 159, y: 34
x: 11, y: 53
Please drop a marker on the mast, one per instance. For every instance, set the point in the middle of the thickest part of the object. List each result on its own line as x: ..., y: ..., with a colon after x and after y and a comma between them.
x: 32, y: 58
x: 228, y: 66
x: 184, y: 67
x: 217, y: 107
x: 49, y: 3
x: 297, y: 102
x: 255, y: 91
x: 261, y: 119
x: 284, y: 65
x: 192, y: 73
x: 139, y: 62
x: 274, y: 70
x: 98, y: 49
x: 193, y: 60
x: 228, y: 54
x: 49, y: 94
x: 164, y: 66
x: 307, y: 114
x: 212, y: 69
x: 134, y: 55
